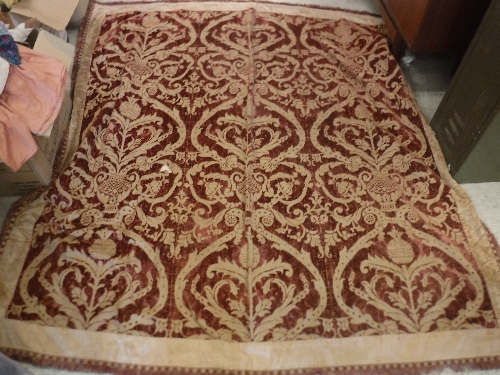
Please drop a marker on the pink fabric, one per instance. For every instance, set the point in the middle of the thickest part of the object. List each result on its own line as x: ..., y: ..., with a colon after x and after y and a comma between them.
x: 30, y: 103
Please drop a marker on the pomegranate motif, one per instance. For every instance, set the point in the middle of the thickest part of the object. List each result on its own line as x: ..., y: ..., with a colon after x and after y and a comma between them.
x: 151, y: 21
x: 399, y: 251
x: 102, y: 249
x: 362, y: 112
x: 130, y: 109
x: 249, y: 256
x: 75, y: 183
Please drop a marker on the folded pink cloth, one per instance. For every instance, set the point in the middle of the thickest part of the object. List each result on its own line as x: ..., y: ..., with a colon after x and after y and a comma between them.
x: 29, y: 103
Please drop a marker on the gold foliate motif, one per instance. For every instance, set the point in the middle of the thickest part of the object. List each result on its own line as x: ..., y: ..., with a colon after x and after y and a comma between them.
x: 251, y: 177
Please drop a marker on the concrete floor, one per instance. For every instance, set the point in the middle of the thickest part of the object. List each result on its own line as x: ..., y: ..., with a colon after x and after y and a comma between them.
x: 429, y: 79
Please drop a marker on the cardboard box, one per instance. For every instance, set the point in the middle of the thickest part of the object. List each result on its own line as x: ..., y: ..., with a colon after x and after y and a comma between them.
x: 51, y: 45
x: 53, y: 13
x: 38, y: 170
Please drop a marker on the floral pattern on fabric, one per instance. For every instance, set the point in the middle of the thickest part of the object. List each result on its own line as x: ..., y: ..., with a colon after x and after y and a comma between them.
x: 249, y: 176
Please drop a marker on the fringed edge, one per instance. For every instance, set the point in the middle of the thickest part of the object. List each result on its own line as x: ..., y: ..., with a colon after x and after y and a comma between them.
x: 414, y: 368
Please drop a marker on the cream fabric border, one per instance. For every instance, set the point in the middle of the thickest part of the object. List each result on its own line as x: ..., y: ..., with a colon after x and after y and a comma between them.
x: 208, y: 354
x: 297, y: 10
x: 373, y: 350
x: 14, y: 253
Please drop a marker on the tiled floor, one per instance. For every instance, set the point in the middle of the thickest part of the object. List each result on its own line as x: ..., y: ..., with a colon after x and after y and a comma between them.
x: 429, y: 79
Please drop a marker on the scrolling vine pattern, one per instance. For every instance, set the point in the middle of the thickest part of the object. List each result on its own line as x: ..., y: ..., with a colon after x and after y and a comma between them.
x: 249, y: 176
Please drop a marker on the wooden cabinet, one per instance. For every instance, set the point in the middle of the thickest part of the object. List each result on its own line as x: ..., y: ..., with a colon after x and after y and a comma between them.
x: 432, y: 25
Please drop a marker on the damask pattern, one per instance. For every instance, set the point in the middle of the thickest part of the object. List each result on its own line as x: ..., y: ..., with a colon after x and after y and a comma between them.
x: 249, y: 177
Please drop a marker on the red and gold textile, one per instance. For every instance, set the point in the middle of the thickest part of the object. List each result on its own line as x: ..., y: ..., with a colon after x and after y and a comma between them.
x: 247, y: 187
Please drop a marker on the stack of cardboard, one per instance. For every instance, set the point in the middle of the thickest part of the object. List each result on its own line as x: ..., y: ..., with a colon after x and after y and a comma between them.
x: 55, y: 14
